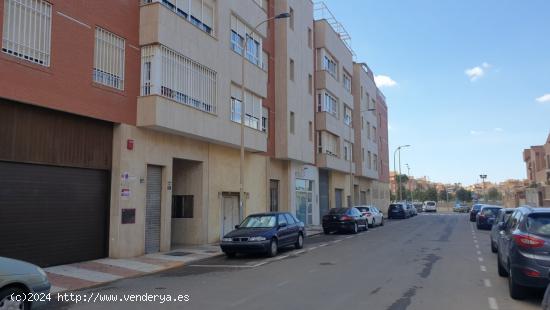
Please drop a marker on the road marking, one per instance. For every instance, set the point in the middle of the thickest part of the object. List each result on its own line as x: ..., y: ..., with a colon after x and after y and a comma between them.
x: 493, y: 303
x: 349, y: 237
x: 475, y: 241
x: 478, y: 252
x: 299, y: 252
x: 480, y: 259
x: 483, y: 268
x: 336, y: 241
x: 312, y: 248
x: 279, y: 257
x: 487, y: 282
x: 477, y: 246
x: 323, y: 244
x: 283, y: 283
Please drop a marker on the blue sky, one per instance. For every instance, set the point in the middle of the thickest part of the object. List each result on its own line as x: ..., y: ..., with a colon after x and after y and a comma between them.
x: 460, y: 123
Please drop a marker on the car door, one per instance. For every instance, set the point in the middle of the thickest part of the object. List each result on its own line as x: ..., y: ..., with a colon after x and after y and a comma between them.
x: 283, y: 230
x: 359, y: 218
x: 378, y: 215
x: 506, y: 236
x: 293, y: 227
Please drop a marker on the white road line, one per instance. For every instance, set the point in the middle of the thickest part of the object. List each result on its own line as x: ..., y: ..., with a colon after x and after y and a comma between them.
x: 475, y: 241
x: 487, y: 282
x: 323, y: 244
x: 279, y: 257
x: 477, y: 246
x: 478, y: 252
x: 283, y: 283
x: 336, y: 241
x: 493, y: 303
x: 349, y: 237
x: 299, y: 252
x: 312, y: 248
x: 480, y: 259
x: 483, y: 268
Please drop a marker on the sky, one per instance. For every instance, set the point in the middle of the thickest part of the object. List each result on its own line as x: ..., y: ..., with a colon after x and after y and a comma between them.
x: 467, y: 82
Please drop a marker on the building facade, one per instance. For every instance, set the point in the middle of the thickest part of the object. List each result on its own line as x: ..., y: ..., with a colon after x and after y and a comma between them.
x: 537, y: 164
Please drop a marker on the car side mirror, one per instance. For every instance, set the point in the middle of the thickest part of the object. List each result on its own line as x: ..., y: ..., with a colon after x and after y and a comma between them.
x: 282, y: 225
x: 236, y: 226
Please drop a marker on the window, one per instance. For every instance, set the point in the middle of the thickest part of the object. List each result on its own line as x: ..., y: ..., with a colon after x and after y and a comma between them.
x: 375, y: 162
x: 347, y: 82
x: 253, y: 111
x: 363, y: 153
x: 282, y: 219
x: 108, y: 59
x: 273, y: 195
x: 310, y: 84
x: 347, y: 115
x: 363, y: 197
x: 290, y: 220
x: 362, y: 122
x: 291, y: 19
x: 330, y: 65
x: 182, y: 206
x: 368, y: 130
x: 328, y: 104
x: 202, y: 14
x: 374, y: 134
x: 348, y: 150
x: 327, y: 143
x: 265, y: 62
x: 310, y: 131
x: 369, y: 160
x: 291, y: 69
x: 27, y: 30
x: 265, y: 119
x: 239, y: 31
x: 291, y: 122
x: 178, y: 78
x: 309, y: 38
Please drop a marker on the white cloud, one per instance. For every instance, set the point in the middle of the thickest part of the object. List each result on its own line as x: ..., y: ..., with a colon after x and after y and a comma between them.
x: 476, y: 132
x: 384, y: 81
x: 477, y: 72
x: 498, y: 129
x: 544, y: 98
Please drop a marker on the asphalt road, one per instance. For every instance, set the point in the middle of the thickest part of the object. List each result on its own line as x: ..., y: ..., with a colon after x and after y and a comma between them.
x: 427, y: 262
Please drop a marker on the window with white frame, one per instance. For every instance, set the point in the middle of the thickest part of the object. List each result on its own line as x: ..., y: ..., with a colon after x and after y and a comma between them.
x: 109, y: 59
x: 253, y: 51
x: 327, y: 103
x: 253, y: 111
x: 327, y: 143
x: 172, y: 75
x: 369, y: 160
x: 347, y: 115
x: 265, y: 119
x: 348, y: 150
x: 27, y: 30
x: 347, y: 82
x: 330, y: 65
x: 198, y: 12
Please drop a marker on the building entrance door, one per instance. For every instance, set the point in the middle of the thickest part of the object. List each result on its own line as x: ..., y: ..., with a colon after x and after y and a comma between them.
x: 230, y: 212
x: 304, y: 201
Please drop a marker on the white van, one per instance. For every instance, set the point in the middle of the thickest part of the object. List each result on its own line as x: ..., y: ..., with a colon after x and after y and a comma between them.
x: 430, y: 206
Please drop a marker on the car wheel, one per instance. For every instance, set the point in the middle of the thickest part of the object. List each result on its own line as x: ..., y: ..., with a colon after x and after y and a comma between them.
x: 382, y: 222
x: 493, y: 247
x: 516, y: 291
x: 326, y: 231
x: 299, y: 242
x: 273, y: 248
x: 230, y: 254
x: 501, y: 270
x: 7, y: 300
x: 372, y: 224
x: 366, y: 225
x: 355, y: 228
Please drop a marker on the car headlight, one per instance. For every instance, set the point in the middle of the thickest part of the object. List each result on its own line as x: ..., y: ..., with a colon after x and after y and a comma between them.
x: 227, y: 240
x: 256, y: 239
x: 42, y: 272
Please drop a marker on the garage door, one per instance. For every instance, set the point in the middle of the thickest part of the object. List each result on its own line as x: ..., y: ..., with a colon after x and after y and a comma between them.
x: 53, y: 215
x: 152, y: 209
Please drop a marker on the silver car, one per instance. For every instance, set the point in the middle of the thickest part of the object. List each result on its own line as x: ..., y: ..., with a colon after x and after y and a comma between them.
x: 21, y: 282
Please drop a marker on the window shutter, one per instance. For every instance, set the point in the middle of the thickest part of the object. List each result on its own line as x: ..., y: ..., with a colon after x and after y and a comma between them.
x: 208, y: 16
x: 196, y: 8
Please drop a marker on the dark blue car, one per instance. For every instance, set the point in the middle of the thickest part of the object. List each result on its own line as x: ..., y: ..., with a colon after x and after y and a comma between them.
x: 264, y: 233
x: 486, y: 216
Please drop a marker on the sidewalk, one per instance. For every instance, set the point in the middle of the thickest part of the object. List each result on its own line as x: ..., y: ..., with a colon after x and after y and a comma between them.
x: 91, y: 273
x: 313, y: 230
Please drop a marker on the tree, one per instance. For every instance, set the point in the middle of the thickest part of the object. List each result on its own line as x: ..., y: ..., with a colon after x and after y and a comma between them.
x: 431, y: 194
x: 493, y: 194
x: 442, y: 195
x: 463, y: 194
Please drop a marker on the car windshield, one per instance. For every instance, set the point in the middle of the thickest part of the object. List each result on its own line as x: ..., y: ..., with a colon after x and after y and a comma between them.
x: 490, y: 211
x: 259, y: 221
x: 363, y: 209
x: 430, y: 203
x: 476, y: 207
x: 395, y: 207
x: 539, y: 224
x: 337, y: 211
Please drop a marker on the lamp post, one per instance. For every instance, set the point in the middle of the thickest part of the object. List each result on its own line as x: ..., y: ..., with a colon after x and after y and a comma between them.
x: 409, y: 176
x: 241, y: 162
x: 351, y: 189
x: 483, y: 177
x: 398, y: 149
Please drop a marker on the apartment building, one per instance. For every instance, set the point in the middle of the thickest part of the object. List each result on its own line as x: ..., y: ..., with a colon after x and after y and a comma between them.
x: 292, y: 161
x: 537, y: 164
x: 365, y: 124
x: 382, y: 184
x: 333, y: 116
x: 69, y: 76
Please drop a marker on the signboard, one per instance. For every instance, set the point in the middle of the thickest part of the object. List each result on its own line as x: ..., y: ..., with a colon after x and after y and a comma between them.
x: 128, y: 216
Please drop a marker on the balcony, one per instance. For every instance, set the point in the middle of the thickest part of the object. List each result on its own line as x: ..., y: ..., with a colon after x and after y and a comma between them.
x: 334, y: 163
x: 328, y: 122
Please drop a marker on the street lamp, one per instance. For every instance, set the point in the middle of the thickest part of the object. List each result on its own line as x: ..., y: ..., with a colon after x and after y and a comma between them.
x: 483, y: 177
x: 398, y: 149
x: 241, y: 162
x: 351, y: 189
x: 410, y: 184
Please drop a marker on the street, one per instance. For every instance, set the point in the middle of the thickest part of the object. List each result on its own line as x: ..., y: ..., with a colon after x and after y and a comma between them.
x: 427, y: 262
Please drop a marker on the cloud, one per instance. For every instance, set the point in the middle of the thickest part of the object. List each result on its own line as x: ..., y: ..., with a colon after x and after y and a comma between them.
x: 477, y: 72
x: 476, y: 132
x: 544, y: 98
x: 384, y: 81
x: 498, y: 129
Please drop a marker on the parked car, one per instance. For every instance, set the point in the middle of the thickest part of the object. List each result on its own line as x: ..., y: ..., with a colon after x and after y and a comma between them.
x: 502, y: 217
x: 418, y: 206
x: 18, y: 278
x: 373, y: 215
x: 344, y: 219
x: 430, y: 206
x: 474, y: 210
x: 523, y: 250
x: 412, y: 209
x: 461, y: 208
x: 398, y: 211
x: 264, y: 233
x: 486, y: 216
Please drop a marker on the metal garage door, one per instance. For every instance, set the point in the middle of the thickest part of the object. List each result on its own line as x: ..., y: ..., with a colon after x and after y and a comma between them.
x: 52, y: 215
x: 152, y: 209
